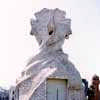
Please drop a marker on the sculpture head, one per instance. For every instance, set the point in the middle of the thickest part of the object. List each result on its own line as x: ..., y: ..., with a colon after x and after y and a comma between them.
x: 51, y: 28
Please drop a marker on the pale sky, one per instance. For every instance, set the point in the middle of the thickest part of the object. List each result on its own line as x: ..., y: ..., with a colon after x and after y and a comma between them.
x: 16, y: 45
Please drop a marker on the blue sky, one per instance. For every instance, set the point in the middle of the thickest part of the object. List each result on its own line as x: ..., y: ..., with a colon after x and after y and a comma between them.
x: 16, y: 45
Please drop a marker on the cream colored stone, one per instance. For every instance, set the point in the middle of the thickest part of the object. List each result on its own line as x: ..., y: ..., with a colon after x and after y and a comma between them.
x: 50, y: 28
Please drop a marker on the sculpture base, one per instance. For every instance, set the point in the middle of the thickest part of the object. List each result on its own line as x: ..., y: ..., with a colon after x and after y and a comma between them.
x: 35, y: 82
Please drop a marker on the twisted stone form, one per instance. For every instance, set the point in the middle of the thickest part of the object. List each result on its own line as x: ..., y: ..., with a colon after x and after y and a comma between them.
x: 50, y: 28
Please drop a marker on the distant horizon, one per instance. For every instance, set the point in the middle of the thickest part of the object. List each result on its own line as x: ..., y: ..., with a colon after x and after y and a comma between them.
x: 17, y: 46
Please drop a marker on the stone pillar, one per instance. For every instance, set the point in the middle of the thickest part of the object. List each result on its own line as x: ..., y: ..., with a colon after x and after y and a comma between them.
x: 96, y: 82
x: 93, y: 91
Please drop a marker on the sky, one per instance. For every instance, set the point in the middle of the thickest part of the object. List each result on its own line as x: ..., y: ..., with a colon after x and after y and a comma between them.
x: 17, y: 46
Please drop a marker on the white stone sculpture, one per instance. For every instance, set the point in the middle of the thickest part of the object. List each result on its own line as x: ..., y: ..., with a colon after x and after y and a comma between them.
x: 50, y: 28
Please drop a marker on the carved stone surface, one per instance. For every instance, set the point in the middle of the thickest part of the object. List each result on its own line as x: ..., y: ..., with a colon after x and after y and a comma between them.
x: 50, y: 28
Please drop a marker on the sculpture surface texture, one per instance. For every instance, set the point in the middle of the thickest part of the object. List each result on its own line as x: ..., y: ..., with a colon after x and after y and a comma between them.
x: 50, y: 28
